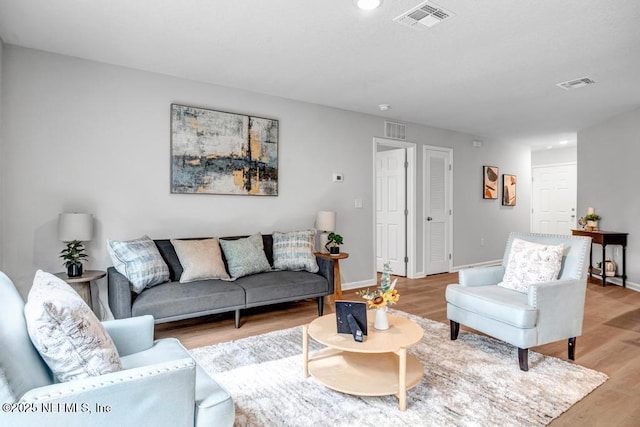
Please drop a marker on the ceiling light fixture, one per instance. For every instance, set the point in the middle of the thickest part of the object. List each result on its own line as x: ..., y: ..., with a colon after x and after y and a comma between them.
x: 368, y: 4
x: 384, y: 107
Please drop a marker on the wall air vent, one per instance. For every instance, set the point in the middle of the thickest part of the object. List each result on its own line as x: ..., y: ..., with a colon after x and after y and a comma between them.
x: 424, y: 16
x: 395, y: 130
x: 575, y: 84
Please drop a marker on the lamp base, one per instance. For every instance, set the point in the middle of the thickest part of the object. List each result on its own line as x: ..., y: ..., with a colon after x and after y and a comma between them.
x: 323, y: 238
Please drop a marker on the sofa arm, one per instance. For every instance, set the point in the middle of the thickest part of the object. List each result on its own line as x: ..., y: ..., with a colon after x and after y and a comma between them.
x: 560, y: 307
x: 481, y: 276
x: 159, y: 394
x: 131, y: 335
x: 325, y: 266
x: 119, y: 294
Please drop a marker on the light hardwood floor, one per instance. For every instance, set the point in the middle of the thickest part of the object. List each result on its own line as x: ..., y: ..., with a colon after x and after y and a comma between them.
x: 610, y: 342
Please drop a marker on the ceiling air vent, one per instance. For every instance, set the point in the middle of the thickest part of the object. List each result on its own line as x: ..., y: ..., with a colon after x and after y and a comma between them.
x: 575, y: 84
x: 424, y: 16
x: 395, y: 130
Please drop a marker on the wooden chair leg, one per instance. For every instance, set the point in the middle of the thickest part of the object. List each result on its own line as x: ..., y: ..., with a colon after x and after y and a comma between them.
x: 572, y: 348
x: 523, y: 358
x: 455, y: 329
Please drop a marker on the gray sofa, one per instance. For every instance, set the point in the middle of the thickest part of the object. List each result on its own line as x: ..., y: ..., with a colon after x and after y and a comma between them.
x: 173, y: 300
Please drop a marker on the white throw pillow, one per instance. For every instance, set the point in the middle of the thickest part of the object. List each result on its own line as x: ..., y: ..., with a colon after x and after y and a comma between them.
x: 200, y: 259
x: 69, y: 337
x: 530, y: 263
x: 139, y: 261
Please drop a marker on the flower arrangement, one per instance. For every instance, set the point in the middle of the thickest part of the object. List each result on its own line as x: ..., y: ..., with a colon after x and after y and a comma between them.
x: 386, y: 294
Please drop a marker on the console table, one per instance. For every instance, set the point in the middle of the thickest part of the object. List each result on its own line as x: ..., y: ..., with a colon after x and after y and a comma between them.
x: 605, y: 238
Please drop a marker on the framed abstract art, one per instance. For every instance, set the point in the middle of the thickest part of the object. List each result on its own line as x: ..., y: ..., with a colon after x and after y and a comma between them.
x: 490, y: 182
x: 508, y: 190
x: 215, y: 152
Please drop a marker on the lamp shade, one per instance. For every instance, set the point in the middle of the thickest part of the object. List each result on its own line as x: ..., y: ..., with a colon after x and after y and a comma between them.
x: 326, y: 221
x: 75, y: 226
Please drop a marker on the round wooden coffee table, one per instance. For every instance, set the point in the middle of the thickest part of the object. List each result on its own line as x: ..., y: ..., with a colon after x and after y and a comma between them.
x: 379, y: 366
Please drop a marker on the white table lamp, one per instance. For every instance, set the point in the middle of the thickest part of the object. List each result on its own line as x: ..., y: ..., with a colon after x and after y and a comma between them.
x: 325, y: 222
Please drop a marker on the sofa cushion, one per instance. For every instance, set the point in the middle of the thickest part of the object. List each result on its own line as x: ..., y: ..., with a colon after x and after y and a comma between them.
x: 177, y: 301
x: 531, y: 262
x: 139, y: 261
x: 494, y: 302
x: 69, y: 337
x: 277, y: 286
x: 245, y: 256
x: 294, y: 251
x: 200, y: 259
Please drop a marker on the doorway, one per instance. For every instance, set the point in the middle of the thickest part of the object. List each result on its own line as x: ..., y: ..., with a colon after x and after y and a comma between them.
x: 553, y: 198
x: 394, y: 202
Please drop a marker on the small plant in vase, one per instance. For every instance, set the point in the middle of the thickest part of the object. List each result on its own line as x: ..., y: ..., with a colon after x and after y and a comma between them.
x: 381, y: 298
x: 334, y: 240
x: 73, y: 256
x: 592, y: 221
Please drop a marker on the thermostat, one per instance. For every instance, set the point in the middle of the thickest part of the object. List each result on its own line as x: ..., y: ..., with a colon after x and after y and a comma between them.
x: 338, y: 177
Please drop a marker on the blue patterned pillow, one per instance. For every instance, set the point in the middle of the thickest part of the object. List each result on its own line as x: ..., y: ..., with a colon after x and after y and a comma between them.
x: 294, y: 251
x: 245, y: 256
x: 139, y: 261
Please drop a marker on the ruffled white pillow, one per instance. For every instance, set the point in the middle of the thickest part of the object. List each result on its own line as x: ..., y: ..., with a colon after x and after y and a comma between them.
x: 530, y: 263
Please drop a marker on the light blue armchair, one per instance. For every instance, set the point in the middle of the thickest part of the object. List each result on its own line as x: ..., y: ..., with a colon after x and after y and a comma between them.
x: 548, y: 312
x: 159, y: 385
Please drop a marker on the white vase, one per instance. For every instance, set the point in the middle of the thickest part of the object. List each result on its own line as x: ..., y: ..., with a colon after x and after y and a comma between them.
x: 381, y: 321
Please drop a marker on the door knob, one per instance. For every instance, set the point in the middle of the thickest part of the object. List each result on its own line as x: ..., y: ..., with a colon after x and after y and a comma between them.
x: 429, y: 218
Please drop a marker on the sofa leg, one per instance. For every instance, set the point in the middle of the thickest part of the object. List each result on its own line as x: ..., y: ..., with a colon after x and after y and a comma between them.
x: 237, y: 318
x: 455, y: 329
x: 572, y: 348
x: 523, y: 358
x: 320, y: 306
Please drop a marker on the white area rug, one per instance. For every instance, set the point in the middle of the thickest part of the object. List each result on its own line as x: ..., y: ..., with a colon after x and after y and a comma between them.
x: 473, y: 381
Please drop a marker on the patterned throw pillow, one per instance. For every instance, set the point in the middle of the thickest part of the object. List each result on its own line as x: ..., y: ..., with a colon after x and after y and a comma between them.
x: 530, y: 263
x: 245, y: 256
x: 139, y: 261
x: 294, y: 251
x: 200, y: 259
x: 69, y: 337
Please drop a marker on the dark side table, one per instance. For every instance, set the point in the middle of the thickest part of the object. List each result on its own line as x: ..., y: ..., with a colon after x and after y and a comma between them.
x: 604, y: 238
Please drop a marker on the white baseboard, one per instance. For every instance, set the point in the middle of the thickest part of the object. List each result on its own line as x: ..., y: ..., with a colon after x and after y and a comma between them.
x: 617, y: 281
x: 360, y: 284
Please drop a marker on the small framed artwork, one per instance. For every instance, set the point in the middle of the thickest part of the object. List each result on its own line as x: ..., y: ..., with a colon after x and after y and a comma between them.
x: 508, y: 190
x: 490, y: 182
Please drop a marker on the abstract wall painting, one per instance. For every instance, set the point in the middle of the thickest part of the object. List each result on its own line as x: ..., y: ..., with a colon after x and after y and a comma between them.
x: 214, y: 152
x: 508, y: 190
x: 490, y: 182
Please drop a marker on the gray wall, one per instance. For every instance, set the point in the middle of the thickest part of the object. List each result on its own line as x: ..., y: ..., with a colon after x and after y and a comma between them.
x: 608, y: 176
x: 83, y: 136
x: 554, y: 156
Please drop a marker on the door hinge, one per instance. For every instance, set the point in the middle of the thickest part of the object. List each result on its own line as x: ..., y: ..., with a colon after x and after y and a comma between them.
x: 406, y: 259
x: 406, y: 165
x: 406, y: 212
x: 449, y: 211
x: 450, y: 168
x: 449, y: 256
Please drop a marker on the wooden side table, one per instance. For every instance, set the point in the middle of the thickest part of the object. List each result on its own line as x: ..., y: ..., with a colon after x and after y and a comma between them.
x: 604, y: 238
x: 82, y: 284
x: 337, y: 285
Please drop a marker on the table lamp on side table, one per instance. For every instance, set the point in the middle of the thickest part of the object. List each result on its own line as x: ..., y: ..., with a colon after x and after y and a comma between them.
x: 325, y: 222
x: 73, y: 229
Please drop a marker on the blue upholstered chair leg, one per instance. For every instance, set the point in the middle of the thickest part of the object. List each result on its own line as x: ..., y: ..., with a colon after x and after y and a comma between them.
x: 455, y: 329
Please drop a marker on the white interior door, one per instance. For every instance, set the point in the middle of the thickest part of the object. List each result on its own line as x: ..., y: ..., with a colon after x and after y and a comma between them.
x: 437, y: 210
x: 553, y: 203
x: 391, y: 210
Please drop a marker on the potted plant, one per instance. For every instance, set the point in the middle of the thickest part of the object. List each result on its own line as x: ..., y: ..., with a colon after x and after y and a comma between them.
x: 334, y: 240
x: 73, y: 256
x: 592, y: 221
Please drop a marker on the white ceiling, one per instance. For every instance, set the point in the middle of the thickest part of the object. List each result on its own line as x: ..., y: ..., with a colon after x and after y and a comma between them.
x: 490, y: 71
